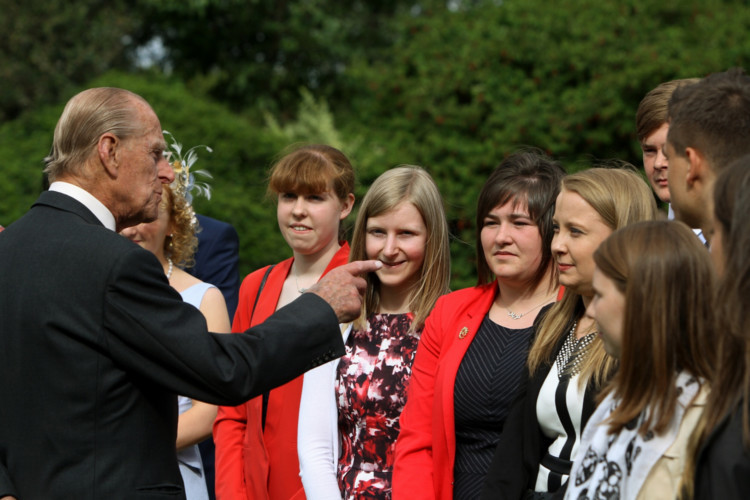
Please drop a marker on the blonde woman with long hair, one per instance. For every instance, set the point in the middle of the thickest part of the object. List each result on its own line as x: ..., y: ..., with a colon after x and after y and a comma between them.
x: 354, y: 404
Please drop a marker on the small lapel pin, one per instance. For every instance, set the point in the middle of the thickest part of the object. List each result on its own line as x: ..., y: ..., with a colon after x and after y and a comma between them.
x: 463, y: 333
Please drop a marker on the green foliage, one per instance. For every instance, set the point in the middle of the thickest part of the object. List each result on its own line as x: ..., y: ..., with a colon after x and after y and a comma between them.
x: 49, y: 47
x: 453, y: 86
x: 262, y: 52
x: 462, y: 88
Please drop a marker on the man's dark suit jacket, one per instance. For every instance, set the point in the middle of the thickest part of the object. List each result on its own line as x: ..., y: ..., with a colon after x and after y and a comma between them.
x: 217, y: 259
x: 94, y: 345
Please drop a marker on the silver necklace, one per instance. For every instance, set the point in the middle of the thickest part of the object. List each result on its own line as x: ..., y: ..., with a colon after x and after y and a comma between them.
x: 169, y: 269
x: 515, y: 315
x: 300, y: 290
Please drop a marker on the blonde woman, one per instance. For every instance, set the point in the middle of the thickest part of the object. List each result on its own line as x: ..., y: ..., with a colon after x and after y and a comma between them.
x: 354, y: 404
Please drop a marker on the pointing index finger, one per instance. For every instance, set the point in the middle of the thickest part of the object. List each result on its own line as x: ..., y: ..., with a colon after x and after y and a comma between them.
x: 359, y: 267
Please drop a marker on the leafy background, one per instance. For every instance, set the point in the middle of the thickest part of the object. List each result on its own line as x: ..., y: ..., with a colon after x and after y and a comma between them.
x: 453, y: 86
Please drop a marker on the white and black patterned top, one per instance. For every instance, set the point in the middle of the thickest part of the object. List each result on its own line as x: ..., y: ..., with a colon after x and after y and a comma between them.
x: 559, y: 409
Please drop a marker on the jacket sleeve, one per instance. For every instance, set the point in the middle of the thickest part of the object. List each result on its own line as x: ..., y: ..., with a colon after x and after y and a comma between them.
x: 6, y: 485
x: 413, y: 469
x: 317, y: 437
x: 151, y: 332
x: 229, y: 431
x: 231, y: 421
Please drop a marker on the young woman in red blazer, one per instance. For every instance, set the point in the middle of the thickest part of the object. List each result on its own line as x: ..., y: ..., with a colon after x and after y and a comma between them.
x: 475, y: 341
x: 256, y: 448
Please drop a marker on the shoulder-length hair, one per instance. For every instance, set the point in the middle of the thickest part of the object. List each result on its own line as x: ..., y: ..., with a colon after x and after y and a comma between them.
x: 411, y: 184
x: 528, y: 178
x: 620, y: 197
x: 665, y: 274
x: 311, y: 169
x: 181, y: 244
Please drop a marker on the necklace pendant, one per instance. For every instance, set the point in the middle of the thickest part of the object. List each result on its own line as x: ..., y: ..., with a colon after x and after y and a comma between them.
x: 514, y: 315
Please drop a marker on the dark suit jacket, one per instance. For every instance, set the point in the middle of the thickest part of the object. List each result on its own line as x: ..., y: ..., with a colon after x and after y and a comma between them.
x: 94, y: 345
x: 217, y: 259
x: 522, y: 444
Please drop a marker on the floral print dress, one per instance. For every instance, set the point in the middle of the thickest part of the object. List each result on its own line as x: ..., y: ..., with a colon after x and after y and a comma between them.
x: 371, y: 383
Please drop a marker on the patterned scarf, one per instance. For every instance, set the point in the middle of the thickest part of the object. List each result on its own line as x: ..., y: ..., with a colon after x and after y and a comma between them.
x: 614, y: 466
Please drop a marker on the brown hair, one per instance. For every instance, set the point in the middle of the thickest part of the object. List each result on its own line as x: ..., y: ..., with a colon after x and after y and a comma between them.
x: 414, y: 185
x: 620, y: 197
x: 528, y: 177
x: 652, y: 111
x: 87, y: 116
x: 666, y: 276
x: 309, y: 169
x: 712, y: 116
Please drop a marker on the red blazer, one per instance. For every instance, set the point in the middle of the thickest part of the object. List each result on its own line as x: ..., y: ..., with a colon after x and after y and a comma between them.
x: 252, y: 463
x: 426, y: 446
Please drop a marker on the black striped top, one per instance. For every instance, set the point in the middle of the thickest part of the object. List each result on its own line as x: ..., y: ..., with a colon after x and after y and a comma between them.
x: 485, y: 388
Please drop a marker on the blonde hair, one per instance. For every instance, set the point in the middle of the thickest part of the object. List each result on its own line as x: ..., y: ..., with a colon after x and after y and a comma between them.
x: 181, y: 245
x: 620, y: 197
x: 414, y: 185
x: 87, y: 116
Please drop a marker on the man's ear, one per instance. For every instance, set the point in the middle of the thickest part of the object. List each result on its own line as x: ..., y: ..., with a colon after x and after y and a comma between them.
x: 697, y: 165
x: 107, y: 151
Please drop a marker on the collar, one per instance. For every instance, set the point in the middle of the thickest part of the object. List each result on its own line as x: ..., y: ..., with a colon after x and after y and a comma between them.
x: 698, y: 232
x: 88, y: 200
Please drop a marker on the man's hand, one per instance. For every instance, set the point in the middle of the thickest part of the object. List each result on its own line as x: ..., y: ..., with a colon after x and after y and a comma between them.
x: 343, y: 288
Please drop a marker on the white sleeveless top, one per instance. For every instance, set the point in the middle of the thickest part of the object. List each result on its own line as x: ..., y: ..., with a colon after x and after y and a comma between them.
x: 189, y: 459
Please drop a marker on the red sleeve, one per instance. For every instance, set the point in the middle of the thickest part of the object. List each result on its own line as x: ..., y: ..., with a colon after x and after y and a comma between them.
x: 231, y: 421
x: 414, y: 468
